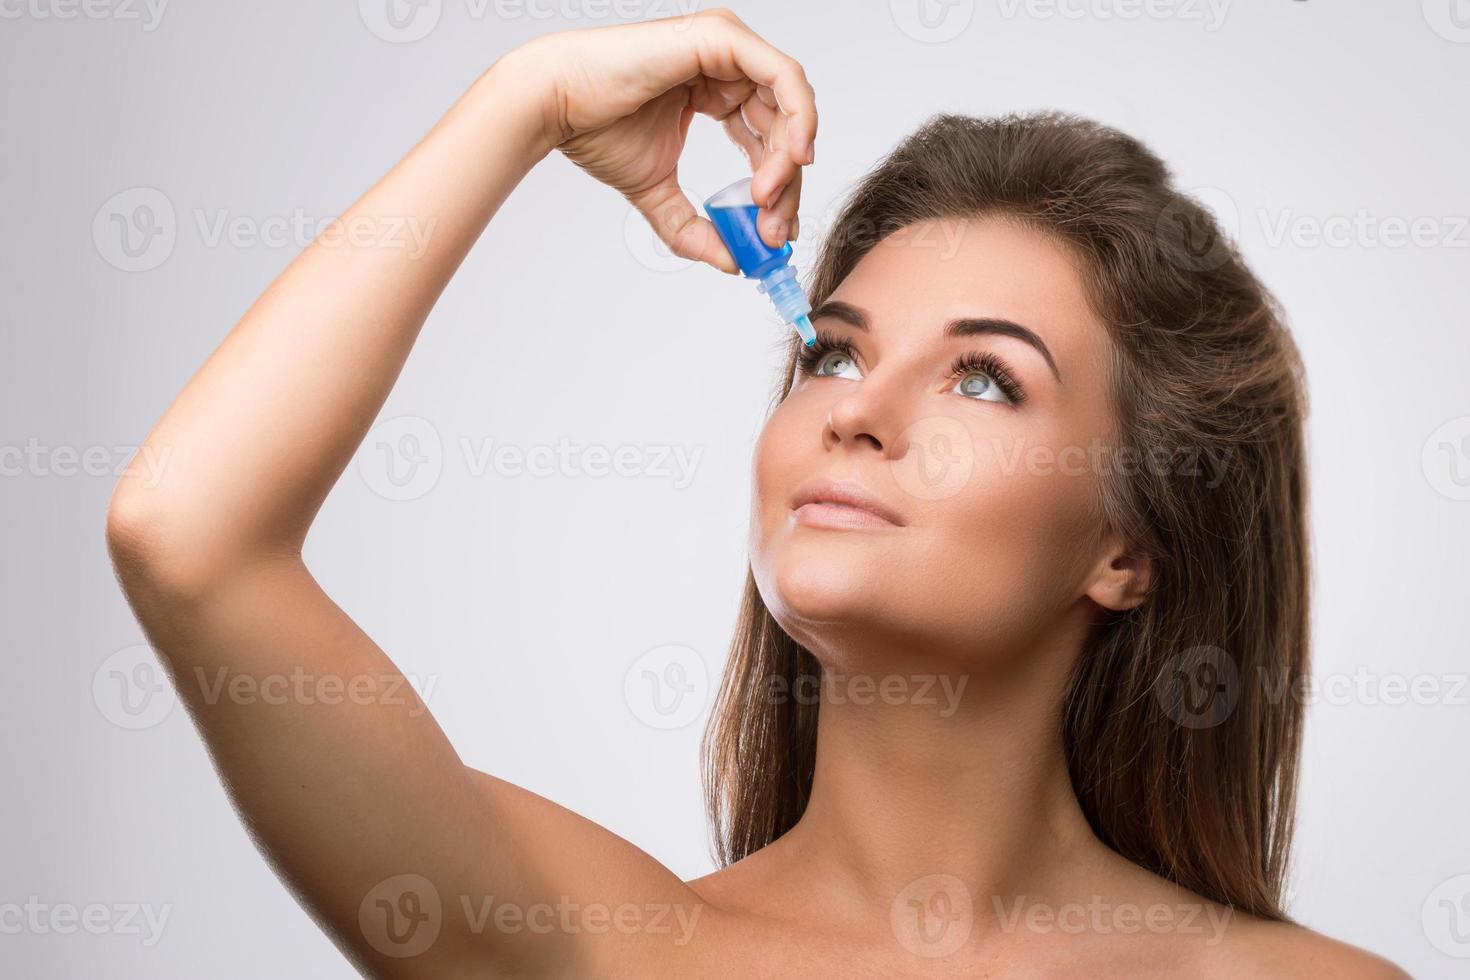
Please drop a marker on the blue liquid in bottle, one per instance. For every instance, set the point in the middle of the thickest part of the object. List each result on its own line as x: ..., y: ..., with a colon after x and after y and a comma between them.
x: 733, y: 212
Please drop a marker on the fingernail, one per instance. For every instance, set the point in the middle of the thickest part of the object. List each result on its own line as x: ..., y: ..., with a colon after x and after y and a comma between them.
x: 811, y: 152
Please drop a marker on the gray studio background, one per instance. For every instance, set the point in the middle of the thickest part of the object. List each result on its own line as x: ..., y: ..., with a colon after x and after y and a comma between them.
x: 159, y: 165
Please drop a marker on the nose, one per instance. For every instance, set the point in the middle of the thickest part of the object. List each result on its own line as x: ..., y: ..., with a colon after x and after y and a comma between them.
x: 869, y: 415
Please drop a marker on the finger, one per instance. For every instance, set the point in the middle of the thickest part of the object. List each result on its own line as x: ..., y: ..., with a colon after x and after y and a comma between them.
x: 777, y: 224
x: 761, y: 119
x: 686, y: 116
x: 759, y: 116
x: 750, y: 144
x: 678, y: 226
x: 764, y: 64
x: 723, y: 101
x: 777, y: 168
x: 719, y: 98
x: 790, y: 200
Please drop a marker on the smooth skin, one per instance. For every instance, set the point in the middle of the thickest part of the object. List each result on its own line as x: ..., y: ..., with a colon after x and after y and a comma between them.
x: 343, y: 798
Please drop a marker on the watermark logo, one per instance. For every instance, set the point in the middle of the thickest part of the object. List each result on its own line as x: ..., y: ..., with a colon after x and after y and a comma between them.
x: 1450, y: 19
x: 1196, y: 228
x: 1446, y: 459
x: 932, y: 21
x: 1446, y: 917
x: 647, y: 248
x: 1199, y: 687
x: 131, y: 690
x: 135, y: 230
x: 401, y: 916
x: 402, y: 458
x: 933, y: 916
x: 667, y: 687
x: 938, y: 460
x: 400, y: 21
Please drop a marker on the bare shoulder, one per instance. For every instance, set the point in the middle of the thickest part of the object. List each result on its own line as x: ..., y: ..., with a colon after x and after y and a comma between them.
x: 1258, y: 947
x: 1226, y: 942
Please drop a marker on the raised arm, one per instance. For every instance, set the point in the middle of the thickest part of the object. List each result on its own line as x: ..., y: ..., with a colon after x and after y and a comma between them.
x: 347, y: 798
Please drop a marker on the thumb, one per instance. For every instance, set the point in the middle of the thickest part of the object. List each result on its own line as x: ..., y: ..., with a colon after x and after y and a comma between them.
x: 679, y: 226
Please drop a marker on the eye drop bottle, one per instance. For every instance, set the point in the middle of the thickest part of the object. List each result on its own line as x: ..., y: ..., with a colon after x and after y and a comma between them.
x: 733, y: 211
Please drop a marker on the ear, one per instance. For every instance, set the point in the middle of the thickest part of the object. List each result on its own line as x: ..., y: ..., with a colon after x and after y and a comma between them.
x: 1122, y: 577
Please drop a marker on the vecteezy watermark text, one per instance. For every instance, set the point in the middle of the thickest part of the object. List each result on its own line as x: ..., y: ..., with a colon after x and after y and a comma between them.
x: 935, y: 690
x: 1099, y: 916
x: 1101, y: 459
x: 147, y: 12
x: 402, y: 916
x: 38, y: 459
x: 407, y: 21
x: 137, y: 229
x: 402, y: 458
x: 1210, y: 13
x: 39, y: 918
x: 302, y: 687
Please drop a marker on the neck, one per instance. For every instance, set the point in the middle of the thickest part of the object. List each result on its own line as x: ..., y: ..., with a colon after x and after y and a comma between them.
x: 966, y: 778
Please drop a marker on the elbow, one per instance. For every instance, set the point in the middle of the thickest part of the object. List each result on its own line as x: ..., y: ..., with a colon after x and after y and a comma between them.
x: 154, y: 557
x: 183, y: 540
x: 174, y: 550
x: 137, y: 541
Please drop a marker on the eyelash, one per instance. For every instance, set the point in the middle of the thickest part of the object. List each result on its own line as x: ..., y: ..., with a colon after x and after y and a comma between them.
x: 827, y: 342
x: 970, y: 362
x: 995, y: 369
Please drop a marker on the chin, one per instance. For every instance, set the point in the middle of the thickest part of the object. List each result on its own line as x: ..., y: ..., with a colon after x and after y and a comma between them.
x: 855, y: 611
x: 832, y: 596
x: 818, y: 582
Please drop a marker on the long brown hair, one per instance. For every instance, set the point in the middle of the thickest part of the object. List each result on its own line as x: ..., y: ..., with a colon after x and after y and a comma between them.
x: 1203, y: 364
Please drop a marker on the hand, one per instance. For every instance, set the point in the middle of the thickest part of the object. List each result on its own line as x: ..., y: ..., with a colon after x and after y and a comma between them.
x: 623, y: 98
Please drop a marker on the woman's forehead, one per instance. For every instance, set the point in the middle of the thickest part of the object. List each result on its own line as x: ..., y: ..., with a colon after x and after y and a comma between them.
x: 922, y: 276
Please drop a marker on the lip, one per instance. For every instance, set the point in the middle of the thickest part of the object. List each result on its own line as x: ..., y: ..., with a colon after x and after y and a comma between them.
x: 842, y: 503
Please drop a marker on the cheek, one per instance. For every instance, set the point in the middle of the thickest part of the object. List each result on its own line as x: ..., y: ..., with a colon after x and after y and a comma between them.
x: 1009, y: 549
x: 1027, y: 491
x: 789, y: 452
x: 783, y: 452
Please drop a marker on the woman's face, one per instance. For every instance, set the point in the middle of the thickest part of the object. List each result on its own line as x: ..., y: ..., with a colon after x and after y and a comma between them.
x: 967, y: 400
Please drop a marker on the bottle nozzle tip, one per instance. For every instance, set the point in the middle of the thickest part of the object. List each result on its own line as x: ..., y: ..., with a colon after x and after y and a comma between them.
x: 808, y: 332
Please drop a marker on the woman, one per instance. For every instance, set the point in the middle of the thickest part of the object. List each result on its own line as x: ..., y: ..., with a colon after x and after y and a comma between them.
x: 1026, y: 545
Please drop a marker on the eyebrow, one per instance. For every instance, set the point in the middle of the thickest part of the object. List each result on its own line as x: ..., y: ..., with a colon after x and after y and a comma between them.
x: 969, y: 326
